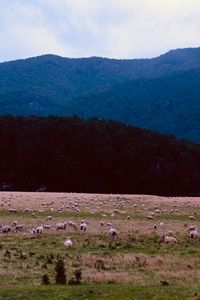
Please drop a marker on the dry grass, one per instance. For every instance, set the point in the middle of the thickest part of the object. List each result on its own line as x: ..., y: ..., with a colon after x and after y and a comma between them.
x: 137, y: 255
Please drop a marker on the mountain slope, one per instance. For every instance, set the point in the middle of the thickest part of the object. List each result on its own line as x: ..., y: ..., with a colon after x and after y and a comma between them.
x: 159, y: 93
x: 169, y: 104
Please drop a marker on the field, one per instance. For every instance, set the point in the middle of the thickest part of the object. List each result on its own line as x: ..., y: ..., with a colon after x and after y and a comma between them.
x: 136, y: 264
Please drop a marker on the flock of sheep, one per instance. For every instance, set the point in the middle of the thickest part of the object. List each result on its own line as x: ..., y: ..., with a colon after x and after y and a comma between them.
x: 6, y: 229
x: 98, y: 203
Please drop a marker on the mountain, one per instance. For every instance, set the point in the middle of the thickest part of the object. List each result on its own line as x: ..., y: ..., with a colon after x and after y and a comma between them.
x: 169, y: 104
x: 70, y: 154
x: 160, y: 93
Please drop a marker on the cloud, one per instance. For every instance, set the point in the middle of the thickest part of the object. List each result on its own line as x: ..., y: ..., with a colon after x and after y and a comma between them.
x: 112, y: 28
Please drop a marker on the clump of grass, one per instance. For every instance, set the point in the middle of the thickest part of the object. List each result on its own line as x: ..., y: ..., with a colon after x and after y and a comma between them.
x: 60, y: 272
x: 77, y: 277
x: 7, y: 254
x: 141, y: 261
x: 45, y: 279
x: 99, y: 264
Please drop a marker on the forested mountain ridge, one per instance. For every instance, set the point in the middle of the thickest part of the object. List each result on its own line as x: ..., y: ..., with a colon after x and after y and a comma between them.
x: 161, y: 94
x: 74, y: 155
x: 169, y: 104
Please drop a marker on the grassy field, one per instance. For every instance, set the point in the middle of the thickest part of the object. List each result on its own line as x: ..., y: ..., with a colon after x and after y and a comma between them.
x: 135, y: 265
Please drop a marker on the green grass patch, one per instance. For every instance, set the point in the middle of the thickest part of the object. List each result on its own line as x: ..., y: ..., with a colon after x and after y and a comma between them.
x: 106, y: 291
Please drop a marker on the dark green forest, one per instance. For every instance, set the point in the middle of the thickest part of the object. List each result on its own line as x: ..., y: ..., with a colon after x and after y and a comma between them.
x: 161, y: 94
x: 70, y: 154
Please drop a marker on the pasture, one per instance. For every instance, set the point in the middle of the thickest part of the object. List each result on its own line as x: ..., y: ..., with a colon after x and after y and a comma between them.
x: 136, y: 264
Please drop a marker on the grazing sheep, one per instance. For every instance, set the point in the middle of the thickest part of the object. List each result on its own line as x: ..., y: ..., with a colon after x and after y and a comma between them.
x: 192, y: 227
x: 161, y: 224
x: 73, y: 224
x: 38, y: 230
x: 193, y: 233
x: 150, y: 217
x: 169, y: 239
x: 68, y: 243
x: 60, y: 226
x: 6, y: 229
x: 19, y: 227
x: 47, y: 226
x: 112, y: 232
x: 83, y: 226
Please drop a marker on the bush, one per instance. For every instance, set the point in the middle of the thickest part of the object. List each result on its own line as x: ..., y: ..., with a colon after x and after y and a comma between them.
x: 45, y: 279
x: 60, y: 272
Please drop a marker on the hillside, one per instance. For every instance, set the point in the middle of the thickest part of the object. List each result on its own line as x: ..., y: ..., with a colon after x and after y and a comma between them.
x: 168, y: 104
x: 158, y: 93
x: 74, y: 155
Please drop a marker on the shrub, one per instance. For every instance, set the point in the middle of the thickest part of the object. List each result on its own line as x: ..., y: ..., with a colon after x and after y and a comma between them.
x: 60, y: 272
x: 45, y: 279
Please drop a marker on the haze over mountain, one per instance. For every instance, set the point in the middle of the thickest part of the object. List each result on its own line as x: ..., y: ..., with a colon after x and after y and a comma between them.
x: 162, y: 93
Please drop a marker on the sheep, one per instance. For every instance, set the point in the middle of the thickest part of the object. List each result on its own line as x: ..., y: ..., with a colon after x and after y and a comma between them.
x: 49, y: 218
x: 83, y: 226
x: 161, y: 224
x: 61, y: 225
x: 112, y: 232
x: 192, y: 227
x: 19, y: 227
x: 193, y: 233
x: 150, y: 217
x: 73, y: 224
x: 47, y: 226
x: 192, y: 218
x: 68, y: 243
x: 6, y: 229
x: 169, y: 239
x: 38, y: 230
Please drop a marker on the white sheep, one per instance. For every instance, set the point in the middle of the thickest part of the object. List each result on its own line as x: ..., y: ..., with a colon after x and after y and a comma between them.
x: 6, y: 229
x: 19, y: 227
x: 193, y: 233
x: 83, y: 226
x: 47, y: 226
x: 112, y: 232
x: 38, y: 230
x: 192, y: 218
x: 161, y: 224
x: 68, y: 243
x: 169, y: 239
x: 73, y: 224
x: 60, y: 226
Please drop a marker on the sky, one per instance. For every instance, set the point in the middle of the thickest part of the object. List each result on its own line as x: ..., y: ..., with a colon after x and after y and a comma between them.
x: 107, y: 28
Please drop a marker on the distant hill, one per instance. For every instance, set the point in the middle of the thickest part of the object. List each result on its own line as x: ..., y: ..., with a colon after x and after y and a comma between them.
x: 160, y: 93
x: 169, y: 104
x: 75, y: 155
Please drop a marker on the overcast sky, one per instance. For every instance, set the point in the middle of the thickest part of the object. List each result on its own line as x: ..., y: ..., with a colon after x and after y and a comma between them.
x: 108, y: 28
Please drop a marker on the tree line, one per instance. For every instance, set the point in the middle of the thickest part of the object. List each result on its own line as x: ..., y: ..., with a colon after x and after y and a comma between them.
x: 69, y: 154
